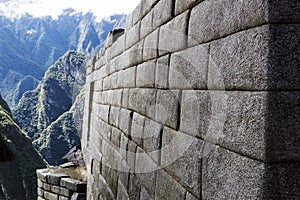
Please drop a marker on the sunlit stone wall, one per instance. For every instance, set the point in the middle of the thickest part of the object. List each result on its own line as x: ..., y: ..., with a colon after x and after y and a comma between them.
x: 197, y: 100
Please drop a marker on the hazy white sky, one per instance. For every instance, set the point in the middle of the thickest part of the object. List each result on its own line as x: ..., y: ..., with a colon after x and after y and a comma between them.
x: 37, y: 8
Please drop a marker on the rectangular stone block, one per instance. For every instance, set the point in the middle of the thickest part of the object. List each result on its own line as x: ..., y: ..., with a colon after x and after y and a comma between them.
x: 123, y: 146
x: 126, y: 78
x: 248, y: 68
x: 40, y: 184
x: 115, y: 137
x: 188, y: 68
x: 40, y: 198
x: 128, y: 23
x: 145, y: 170
x: 137, y: 14
x: 181, y: 6
x: 125, y: 120
x: 50, y: 196
x: 236, y: 16
x: 150, y: 49
x: 143, y: 101
x: 167, y: 187
x: 47, y: 187
x: 152, y: 139
x: 225, y: 173
x: 72, y: 184
x: 102, y: 111
x: 54, y: 179
x: 133, y: 35
x: 167, y: 107
x: 132, y: 56
x: 116, y: 97
x: 131, y: 155
x: 145, y: 76
x: 195, y: 112
x: 60, y: 191
x: 162, y: 72
x: 174, y: 30
x: 118, y: 47
x: 182, y: 158
x: 125, y: 96
x: 114, y: 116
x: 162, y: 12
x: 40, y: 192
x: 137, y: 128
x: 146, y: 24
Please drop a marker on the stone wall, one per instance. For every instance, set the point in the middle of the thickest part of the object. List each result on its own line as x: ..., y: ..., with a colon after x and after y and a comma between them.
x: 53, y: 185
x: 197, y: 100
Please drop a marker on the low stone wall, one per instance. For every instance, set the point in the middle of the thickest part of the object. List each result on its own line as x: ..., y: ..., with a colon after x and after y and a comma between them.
x: 198, y: 99
x: 53, y: 185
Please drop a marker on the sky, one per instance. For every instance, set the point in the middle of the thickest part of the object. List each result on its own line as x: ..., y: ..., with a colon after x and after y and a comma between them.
x: 40, y: 8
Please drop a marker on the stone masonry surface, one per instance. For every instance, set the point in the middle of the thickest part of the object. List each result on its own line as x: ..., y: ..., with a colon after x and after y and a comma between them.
x: 198, y: 99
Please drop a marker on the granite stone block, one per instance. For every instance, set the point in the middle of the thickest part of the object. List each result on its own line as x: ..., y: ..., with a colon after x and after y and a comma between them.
x: 167, y: 187
x: 126, y: 78
x: 150, y: 49
x: 114, y: 116
x: 145, y: 170
x: 182, y: 157
x: 162, y: 12
x: 50, y: 196
x: 227, y: 175
x: 74, y: 185
x: 146, y: 24
x: 40, y: 192
x: 54, y: 179
x: 240, y: 61
x: 167, y: 107
x: 133, y: 35
x: 145, y: 76
x: 125, y: 120
x: 137, y: 128
x: 188, y: 68
x: 195, y: 112
x: 116, y: 137
x: 234, y: 16
x: 60, y: 191
x: 181, y: 6
x: 152, y: 138
x: 143, y: 101
x: 172, y: 36
x: 162, y: 72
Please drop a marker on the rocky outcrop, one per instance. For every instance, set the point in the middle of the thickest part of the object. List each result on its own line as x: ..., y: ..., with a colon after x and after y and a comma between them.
x: 47, y: 114
x: 18, y: 160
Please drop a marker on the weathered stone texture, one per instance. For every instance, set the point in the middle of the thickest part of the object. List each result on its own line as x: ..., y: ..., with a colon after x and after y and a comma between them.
x: 145, y: 75
x: 172, y: 36
x: 181, y: 6
x: 162, y: 72
x: 188, y: 68
x: 227, y: 175
x: 146, y: 24
x: 162, y: 12
x: 235, y: 16
x: 150, y: 49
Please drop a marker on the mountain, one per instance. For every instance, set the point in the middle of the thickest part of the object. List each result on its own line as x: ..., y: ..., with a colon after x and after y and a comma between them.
x: 18, y: 159
x: 28, y: 46
x: 45, y: 113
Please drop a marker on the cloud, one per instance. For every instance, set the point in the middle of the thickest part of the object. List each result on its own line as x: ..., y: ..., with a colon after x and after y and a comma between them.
x: 39, y: 8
